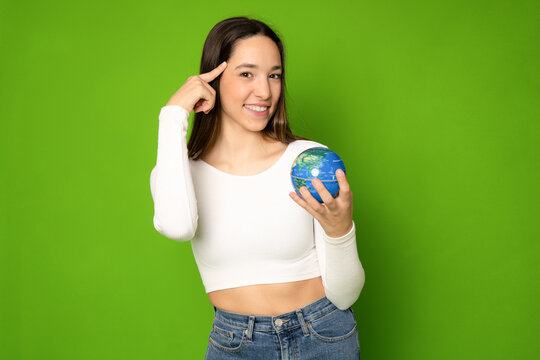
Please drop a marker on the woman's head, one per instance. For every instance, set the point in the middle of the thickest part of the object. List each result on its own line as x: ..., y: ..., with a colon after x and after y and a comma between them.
x: 240, y: 40
x: 252, y: 78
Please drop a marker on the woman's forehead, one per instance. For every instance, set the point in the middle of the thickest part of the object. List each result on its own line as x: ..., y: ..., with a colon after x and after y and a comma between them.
x: 260, y: 51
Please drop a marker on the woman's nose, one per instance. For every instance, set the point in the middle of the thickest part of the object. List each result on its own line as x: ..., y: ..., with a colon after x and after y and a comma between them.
x: 262, y: 88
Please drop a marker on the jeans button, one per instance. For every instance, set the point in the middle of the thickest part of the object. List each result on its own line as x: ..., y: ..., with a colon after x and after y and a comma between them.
x: 279, y: 322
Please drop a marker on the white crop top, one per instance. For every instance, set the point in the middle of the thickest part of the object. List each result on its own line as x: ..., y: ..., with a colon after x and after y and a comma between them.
x: 246, y: 230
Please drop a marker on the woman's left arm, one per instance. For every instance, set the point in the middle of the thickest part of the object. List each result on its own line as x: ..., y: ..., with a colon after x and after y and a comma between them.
x: 335, y: 236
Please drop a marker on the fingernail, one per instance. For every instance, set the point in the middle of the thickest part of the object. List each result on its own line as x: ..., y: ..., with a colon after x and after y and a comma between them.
x: 223, y: 63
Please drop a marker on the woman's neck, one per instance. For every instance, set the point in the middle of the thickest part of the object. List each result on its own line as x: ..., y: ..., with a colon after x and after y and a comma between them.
x: 238, y: 145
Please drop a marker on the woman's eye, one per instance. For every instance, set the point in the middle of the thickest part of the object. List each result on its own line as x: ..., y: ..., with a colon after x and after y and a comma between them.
x: 275, y: 76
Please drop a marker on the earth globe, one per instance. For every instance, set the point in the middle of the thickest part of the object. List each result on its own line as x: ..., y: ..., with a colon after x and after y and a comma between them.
x: 320, y: 163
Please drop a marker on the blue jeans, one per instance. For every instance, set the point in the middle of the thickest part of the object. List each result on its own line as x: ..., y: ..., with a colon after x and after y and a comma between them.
x: 316, y: 331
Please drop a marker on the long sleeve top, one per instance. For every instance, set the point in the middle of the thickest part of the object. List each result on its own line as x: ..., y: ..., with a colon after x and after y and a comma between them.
x: 246, y: 230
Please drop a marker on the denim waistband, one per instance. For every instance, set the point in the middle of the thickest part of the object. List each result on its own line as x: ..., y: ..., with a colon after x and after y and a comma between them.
x: 292, y: 318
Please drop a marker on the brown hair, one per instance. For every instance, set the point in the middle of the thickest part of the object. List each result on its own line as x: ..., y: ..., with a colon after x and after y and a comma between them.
x: 218, y: 48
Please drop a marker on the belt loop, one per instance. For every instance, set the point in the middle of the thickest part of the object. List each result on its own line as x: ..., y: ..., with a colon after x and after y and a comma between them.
x: 302, y: 323
x: 249, y: 330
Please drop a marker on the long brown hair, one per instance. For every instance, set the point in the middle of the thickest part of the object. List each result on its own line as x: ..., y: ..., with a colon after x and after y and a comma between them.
x: 218, y: 48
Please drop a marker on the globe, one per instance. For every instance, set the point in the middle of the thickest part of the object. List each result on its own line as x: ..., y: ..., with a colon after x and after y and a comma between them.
x: 320, y: 163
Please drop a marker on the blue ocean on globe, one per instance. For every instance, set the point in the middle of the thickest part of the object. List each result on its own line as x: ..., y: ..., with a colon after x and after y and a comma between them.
x: 320, y: 163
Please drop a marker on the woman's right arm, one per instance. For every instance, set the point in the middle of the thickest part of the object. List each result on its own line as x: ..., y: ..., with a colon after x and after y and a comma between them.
x: 171, y: 184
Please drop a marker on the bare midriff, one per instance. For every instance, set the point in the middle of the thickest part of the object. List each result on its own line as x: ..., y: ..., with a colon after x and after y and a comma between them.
x: 268, y: 299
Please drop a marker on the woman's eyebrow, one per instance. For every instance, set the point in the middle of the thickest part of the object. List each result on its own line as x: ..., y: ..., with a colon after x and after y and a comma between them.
x: 276, y: 67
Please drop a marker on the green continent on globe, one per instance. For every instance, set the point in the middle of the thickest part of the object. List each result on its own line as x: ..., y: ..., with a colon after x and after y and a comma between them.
x: 299, y: 183
x: 311, y: 159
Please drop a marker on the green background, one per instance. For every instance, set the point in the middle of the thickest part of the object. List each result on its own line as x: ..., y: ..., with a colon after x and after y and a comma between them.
x: 432, y: 105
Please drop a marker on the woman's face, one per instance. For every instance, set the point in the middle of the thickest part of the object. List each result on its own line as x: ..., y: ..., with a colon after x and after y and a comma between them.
x: 252, y: 77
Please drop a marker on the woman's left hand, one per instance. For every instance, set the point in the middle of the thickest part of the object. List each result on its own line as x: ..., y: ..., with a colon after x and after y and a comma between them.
x: 334, y: 214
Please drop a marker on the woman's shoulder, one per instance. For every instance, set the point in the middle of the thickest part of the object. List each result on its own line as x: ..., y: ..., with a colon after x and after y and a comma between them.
x: 302, y: 145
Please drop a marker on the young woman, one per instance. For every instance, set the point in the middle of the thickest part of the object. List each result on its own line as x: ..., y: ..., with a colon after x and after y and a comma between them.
x: 281, y: 272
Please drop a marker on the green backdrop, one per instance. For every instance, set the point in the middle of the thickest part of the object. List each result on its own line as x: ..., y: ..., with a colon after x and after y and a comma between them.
x: 432, y: 105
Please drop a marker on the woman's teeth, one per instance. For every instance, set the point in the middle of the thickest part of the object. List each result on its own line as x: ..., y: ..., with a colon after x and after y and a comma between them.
x: 257, y: 108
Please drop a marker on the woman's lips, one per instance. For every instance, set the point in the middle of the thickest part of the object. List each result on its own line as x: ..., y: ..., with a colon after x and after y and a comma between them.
x: 258, y: 113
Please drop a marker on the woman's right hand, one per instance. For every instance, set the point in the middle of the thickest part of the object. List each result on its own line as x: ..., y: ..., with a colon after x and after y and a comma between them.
x: 196, y: 94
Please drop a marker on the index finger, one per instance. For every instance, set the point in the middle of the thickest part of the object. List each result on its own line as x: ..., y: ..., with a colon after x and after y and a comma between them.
x: 211, y: 75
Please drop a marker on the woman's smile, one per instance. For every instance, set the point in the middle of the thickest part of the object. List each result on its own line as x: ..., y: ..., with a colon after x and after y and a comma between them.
x: 255, y: 110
